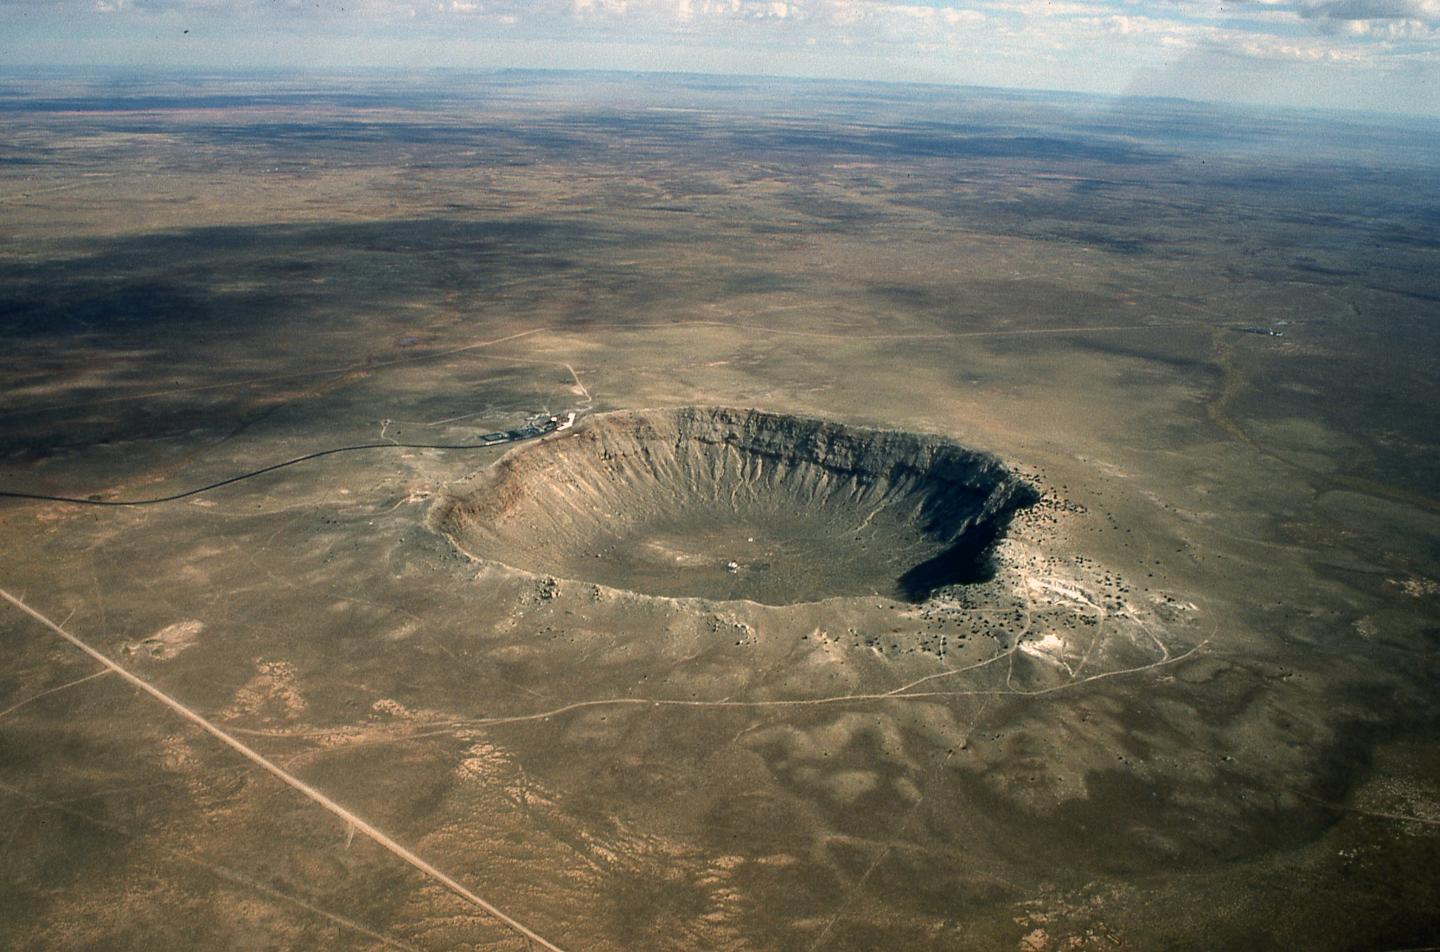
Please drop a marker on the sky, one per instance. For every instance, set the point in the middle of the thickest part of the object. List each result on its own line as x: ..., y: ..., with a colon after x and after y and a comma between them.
x: 1380, y: 55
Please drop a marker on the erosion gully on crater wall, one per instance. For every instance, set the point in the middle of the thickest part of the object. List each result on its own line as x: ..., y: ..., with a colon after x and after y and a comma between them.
x: 725, y: 504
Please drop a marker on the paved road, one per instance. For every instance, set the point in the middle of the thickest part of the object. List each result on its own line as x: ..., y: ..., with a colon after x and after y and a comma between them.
x: 355, y: 822
x: 489, y: 440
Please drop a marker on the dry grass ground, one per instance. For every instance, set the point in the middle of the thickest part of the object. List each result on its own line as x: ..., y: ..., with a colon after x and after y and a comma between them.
x: 1191, y: 709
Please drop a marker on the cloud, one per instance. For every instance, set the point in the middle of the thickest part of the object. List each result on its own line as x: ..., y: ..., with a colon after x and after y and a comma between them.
x: 1099, y: 45
x: 1420, y: 10
x: 1260, y: 47
x: 1130, y: 25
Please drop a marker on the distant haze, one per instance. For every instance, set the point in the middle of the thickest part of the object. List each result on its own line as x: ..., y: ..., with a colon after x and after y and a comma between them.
x: 1357, y: 54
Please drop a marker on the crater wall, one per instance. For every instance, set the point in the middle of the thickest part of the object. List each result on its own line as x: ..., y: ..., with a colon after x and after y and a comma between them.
x: 726, y: 503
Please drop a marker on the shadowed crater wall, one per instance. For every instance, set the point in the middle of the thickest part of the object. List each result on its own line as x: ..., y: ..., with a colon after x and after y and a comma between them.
x: 725, y: 504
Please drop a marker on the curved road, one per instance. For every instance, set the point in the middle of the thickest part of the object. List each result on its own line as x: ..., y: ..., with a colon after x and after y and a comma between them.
x: 10, y: 494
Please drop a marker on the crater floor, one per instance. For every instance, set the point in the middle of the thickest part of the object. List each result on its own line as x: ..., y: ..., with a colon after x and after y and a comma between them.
x: 729, y: 504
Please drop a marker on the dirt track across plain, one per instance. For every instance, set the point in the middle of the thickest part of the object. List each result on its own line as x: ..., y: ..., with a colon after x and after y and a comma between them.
x: 355, y: 822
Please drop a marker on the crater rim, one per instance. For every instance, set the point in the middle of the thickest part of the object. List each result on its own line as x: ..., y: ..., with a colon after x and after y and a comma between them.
x: 953, y: 556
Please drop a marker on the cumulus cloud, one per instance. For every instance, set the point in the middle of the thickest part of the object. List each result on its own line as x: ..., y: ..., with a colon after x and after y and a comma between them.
x: 1050, y: 42
x: 1130, y: 25
x: 1421, y: 10
x: 653, y: 13
x: 1383, y: 24
x: 1261, y: 47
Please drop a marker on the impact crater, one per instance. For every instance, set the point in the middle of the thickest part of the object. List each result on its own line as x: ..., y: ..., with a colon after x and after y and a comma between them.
x: 726, y: 504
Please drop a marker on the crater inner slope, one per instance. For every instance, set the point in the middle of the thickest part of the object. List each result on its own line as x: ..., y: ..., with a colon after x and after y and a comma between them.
x: 725, y: 504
